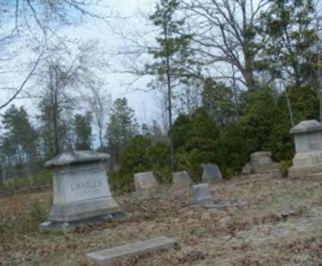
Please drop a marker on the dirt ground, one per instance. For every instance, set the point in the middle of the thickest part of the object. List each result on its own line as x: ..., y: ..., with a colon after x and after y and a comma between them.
x: 268, y: 221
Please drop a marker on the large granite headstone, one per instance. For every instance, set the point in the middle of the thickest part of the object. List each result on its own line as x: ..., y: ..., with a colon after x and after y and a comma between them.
x: 211, y: 173
x: 144, y: 181
x: 181, y: 178
x: 308, y: 146
x: 81, y: 190
x: 200, y: 195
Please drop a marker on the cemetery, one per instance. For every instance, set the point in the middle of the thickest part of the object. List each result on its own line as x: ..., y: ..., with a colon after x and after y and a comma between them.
x: 160, y: 132
x: 179, y: 225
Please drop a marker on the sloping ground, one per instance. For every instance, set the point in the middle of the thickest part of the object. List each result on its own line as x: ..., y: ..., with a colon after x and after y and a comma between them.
x: 271, y: 222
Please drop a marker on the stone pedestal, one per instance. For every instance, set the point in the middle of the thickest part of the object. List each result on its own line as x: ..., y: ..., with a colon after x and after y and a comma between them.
x: 308, y: 147
x: 81, y: 190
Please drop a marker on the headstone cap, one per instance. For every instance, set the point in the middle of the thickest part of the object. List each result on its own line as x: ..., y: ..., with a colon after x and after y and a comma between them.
x: 261, y: 153
x: 77, y: 157
x: 306, y: 126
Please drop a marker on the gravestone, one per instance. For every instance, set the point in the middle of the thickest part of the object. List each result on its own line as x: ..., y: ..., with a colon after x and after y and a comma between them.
x: 308, y: 146
x: 247, y: 169
x: 211, y: 173
x: 109, y: 256
x: 144, y: 181
x: 181, y: 178
x: 261, y: 160
x: 81, y: 192
x: 262, y: 163
x: 200, y: 195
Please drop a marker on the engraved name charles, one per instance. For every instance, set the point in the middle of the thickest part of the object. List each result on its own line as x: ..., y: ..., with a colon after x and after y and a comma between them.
x: 86, y: 185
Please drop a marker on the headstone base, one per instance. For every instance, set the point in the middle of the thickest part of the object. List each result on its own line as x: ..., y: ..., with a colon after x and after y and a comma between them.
x: 307, y: 159
x: 64, y: 226
x: 304, y: 171
x: 80, y: 210
x: 271, y: 173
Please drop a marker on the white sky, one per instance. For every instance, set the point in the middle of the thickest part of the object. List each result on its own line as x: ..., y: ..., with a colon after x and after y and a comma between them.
x: 145, y: 104
x: 117, y: 84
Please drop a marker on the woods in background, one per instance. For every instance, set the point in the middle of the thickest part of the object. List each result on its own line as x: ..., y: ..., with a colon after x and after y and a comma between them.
x: 235, y: 76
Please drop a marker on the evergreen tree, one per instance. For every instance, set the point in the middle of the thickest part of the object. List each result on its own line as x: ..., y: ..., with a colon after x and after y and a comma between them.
x: 218, y: 100
x: 200, y: 142
x: 172, y: 54
x: 120, y: 128
x: 19, y: 141
x: 290, y: 52
x: 83, y: 131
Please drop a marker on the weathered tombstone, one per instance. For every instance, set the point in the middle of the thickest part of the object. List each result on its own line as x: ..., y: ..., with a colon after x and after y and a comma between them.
x: 181, y: 178
x: 145, y: 181
x: 81, y: 191
x: 200, y: 195
x: 109, y: 256
x: 211, y: 173
x: 262, y: 163
x: 308, y: 146
x: 261, y: 160
x: 247, y: 169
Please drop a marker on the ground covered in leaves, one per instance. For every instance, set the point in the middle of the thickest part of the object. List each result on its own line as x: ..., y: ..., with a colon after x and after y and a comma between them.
x: 267, y: 221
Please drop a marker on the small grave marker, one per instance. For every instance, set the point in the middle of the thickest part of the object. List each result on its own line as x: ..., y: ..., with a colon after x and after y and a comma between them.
x: 181, y: 178
x: 201, y: 195
x: 108, y: 256
x: 211, y: 173
x: 144, y: 181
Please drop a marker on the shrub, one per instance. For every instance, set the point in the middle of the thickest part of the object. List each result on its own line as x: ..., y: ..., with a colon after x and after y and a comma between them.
x: 284, y: 166
x: 43, y: 177
x: 37, y: 212
x: 121, y: 181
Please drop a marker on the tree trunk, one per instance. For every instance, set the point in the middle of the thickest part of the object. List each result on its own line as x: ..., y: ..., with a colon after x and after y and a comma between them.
x: 249, y: 70
x: 55, y: 113
x: 169, y: 87
x: 172, y: 161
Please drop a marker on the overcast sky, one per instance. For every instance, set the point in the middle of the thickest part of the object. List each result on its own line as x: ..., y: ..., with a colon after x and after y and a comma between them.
x: 142, y: 102
x: 126, y: 13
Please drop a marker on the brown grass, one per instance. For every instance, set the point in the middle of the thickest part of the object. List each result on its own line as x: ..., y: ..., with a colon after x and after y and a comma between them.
x: 272, y: 222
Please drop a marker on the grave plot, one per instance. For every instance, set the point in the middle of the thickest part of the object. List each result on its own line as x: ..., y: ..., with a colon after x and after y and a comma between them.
x: 272, y: 222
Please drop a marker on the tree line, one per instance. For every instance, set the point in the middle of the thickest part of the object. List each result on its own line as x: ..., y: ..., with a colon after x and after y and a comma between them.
x: 234, y: 76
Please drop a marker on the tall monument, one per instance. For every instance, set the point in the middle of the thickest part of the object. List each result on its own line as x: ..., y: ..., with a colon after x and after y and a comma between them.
x: 81, y: 192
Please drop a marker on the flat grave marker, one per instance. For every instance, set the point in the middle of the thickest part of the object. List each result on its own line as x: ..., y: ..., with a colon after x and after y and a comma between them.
x: 108, y: 256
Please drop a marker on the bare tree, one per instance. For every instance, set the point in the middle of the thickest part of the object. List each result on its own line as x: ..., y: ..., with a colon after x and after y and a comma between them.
x: 225, y: 34
x: 35, y: 22
x: 66, y: 75
x: 99, y: 102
